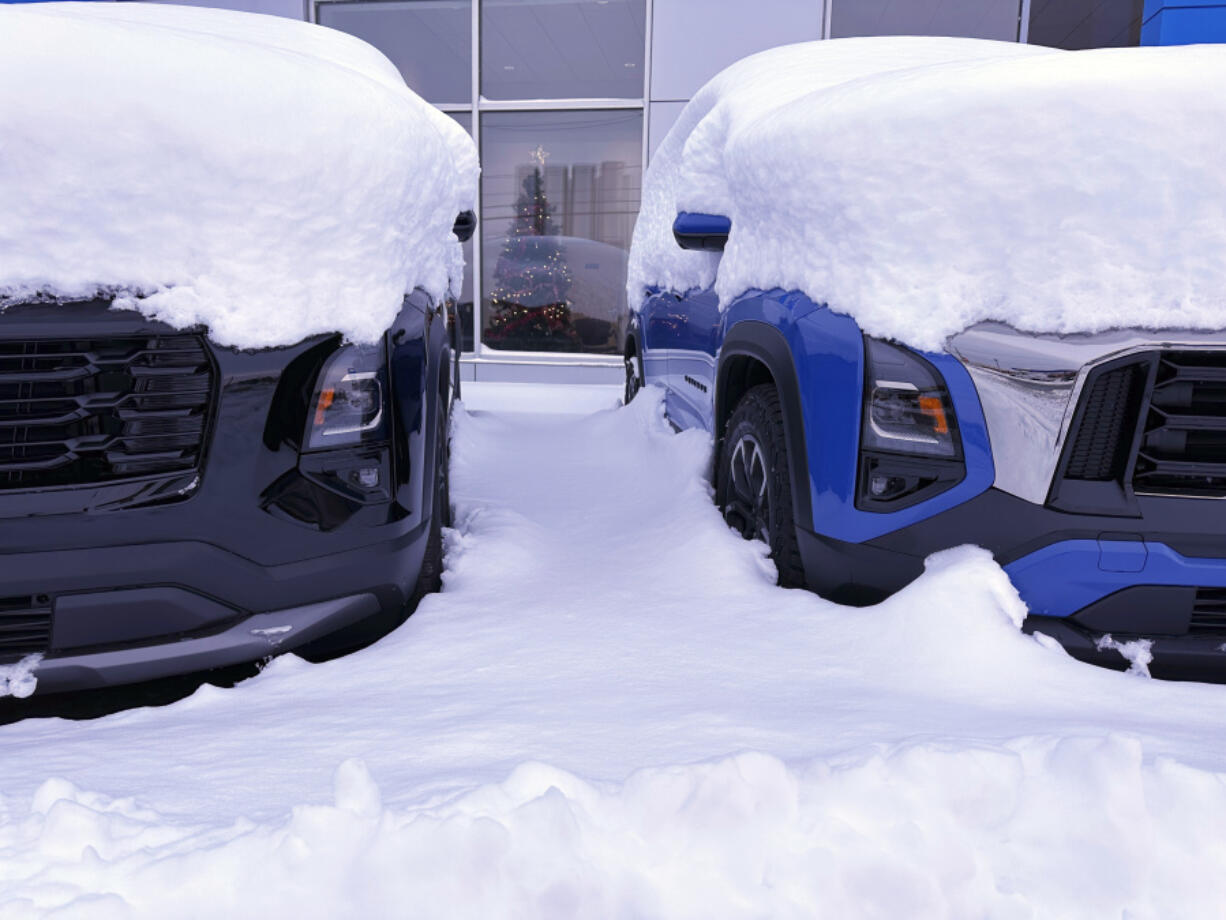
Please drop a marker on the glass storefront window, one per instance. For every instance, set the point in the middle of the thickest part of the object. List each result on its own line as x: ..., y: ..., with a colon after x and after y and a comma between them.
x: 1078, y: 24
x: 553, y: 49
x: 968, y: 18
x: 559, y: 195
x: 430, y: 41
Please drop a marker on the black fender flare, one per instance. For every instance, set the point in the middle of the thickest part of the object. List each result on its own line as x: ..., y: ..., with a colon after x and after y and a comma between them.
x: 766, y: 344
x: 438, y: 373
x: 634, y: 334
x: 420, y: 351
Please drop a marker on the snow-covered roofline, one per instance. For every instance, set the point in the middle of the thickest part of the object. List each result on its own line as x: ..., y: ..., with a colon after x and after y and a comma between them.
x: 268, y: 178
x: 922, y: 185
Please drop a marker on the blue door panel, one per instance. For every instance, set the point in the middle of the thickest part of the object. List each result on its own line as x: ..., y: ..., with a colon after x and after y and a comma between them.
x: 692, y: 360
x: 655, y: 327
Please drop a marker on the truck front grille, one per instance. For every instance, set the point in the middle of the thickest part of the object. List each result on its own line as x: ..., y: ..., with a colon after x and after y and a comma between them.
x: 1183, y: 447
x: 82, y: 411
x: 25, y: 627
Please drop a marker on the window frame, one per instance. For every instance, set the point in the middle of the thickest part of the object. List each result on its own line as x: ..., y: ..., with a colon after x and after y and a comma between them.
x: 477, y: 105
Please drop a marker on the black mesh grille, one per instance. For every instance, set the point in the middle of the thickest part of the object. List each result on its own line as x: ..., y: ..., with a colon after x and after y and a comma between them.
x: 1183, y: 448
x: 76, y: 411
x: 1209, y: 612
x: 25, y: 627
x: 1103, y: 439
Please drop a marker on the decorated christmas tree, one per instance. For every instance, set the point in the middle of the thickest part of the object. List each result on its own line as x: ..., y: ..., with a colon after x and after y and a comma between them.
x: 529, y: 305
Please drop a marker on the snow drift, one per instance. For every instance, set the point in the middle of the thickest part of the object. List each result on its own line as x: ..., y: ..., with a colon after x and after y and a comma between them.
x: 270, y: 179
x: 1041, y: 828
x: 923, y: 185
x: 617, y: 713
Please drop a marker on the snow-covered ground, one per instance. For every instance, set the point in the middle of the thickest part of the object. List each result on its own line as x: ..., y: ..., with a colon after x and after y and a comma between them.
x: 611, y: 711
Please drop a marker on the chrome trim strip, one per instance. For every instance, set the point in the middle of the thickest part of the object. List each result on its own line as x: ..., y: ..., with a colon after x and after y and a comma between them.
x: 1030, y: 384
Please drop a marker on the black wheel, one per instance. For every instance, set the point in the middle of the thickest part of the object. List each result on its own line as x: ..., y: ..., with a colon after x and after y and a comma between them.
x: 430, y: 578
x: 634, y: 377
x: 753, y: 480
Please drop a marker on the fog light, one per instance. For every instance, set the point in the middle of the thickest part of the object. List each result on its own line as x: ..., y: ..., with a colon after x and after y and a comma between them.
x: 367, y: 477
x: 887, y: 486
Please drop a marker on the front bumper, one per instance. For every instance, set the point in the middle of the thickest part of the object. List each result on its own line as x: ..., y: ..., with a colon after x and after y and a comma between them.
x: 128, y: 613
x: 254, y: 637
x: 1160, y: 576
x: 103, y: 577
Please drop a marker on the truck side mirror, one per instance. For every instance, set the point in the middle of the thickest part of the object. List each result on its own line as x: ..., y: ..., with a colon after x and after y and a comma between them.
x: 705, y: 232
x: 465, y: 226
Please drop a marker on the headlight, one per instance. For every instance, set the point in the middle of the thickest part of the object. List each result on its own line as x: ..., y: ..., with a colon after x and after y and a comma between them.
x: 909, y: 446
x: 907, y: 408
x: 349, y: 400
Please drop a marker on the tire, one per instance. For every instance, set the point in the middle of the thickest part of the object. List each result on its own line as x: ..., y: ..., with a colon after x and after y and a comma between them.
x: 634, y: 377
x: 754, y: 482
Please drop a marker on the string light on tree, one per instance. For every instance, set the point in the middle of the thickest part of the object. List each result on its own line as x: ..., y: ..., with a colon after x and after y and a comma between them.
x: 532, y: 277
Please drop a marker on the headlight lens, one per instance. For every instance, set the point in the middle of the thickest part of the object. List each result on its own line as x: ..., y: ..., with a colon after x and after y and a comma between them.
x: 347, y: 407
x: 907, y: 408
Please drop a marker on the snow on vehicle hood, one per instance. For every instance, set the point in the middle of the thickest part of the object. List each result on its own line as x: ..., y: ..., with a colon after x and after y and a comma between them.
x: 270, y: 179
x: 923, y: 185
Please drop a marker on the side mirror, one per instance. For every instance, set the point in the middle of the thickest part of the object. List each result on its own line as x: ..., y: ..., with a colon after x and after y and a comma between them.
x: 465, y: 226
x: 706, y: 232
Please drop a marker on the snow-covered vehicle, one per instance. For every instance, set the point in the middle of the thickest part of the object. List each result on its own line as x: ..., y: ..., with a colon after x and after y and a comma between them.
x: 928, y: 292
x: 223, y: 422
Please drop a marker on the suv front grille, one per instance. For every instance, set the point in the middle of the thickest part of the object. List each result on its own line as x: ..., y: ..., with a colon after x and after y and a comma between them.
x: 1103, y: 440
x: 1209, y: 612
x: 25, y: 627
x: 1183, y: 447
x: 80, y: 411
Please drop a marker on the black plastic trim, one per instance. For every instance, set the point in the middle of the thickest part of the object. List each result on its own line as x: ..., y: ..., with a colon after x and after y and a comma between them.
x: 766, y: 344
x: 1199, y: 658
x: 1008, y: 526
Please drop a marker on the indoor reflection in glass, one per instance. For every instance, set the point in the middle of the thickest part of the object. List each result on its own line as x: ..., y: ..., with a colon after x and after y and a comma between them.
x: 552, y: 49
x: 429, y: 41
x: 560, y: 191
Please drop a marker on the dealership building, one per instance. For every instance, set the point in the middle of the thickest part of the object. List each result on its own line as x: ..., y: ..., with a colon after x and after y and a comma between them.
x: 567, y: 99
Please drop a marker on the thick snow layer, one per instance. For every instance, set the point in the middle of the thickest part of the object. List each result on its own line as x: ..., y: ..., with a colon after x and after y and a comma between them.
x: 1055, y: 191
x: 268, y: 178
x: 611, y: 711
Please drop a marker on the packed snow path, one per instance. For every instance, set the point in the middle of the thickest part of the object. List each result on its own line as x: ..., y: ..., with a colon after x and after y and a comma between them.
x: 611, y: 711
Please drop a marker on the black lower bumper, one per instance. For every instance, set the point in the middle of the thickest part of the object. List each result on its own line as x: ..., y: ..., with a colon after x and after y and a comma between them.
x: 1159, y: 576
x: 121, y: 614
x: 250, y: 638
x: 1200, y: 658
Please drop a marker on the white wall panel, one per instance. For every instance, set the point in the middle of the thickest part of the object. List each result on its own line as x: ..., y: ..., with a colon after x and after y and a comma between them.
x: 661, y: 116
x: 693, y: 40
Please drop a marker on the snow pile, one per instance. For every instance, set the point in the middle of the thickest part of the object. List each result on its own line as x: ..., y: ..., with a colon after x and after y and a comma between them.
x: 1042, y: 827
x: 18, y: 679
x: 268, y: 178
x: 1137, y: 652
x: 1056, y: 191
x: 612, y: 711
